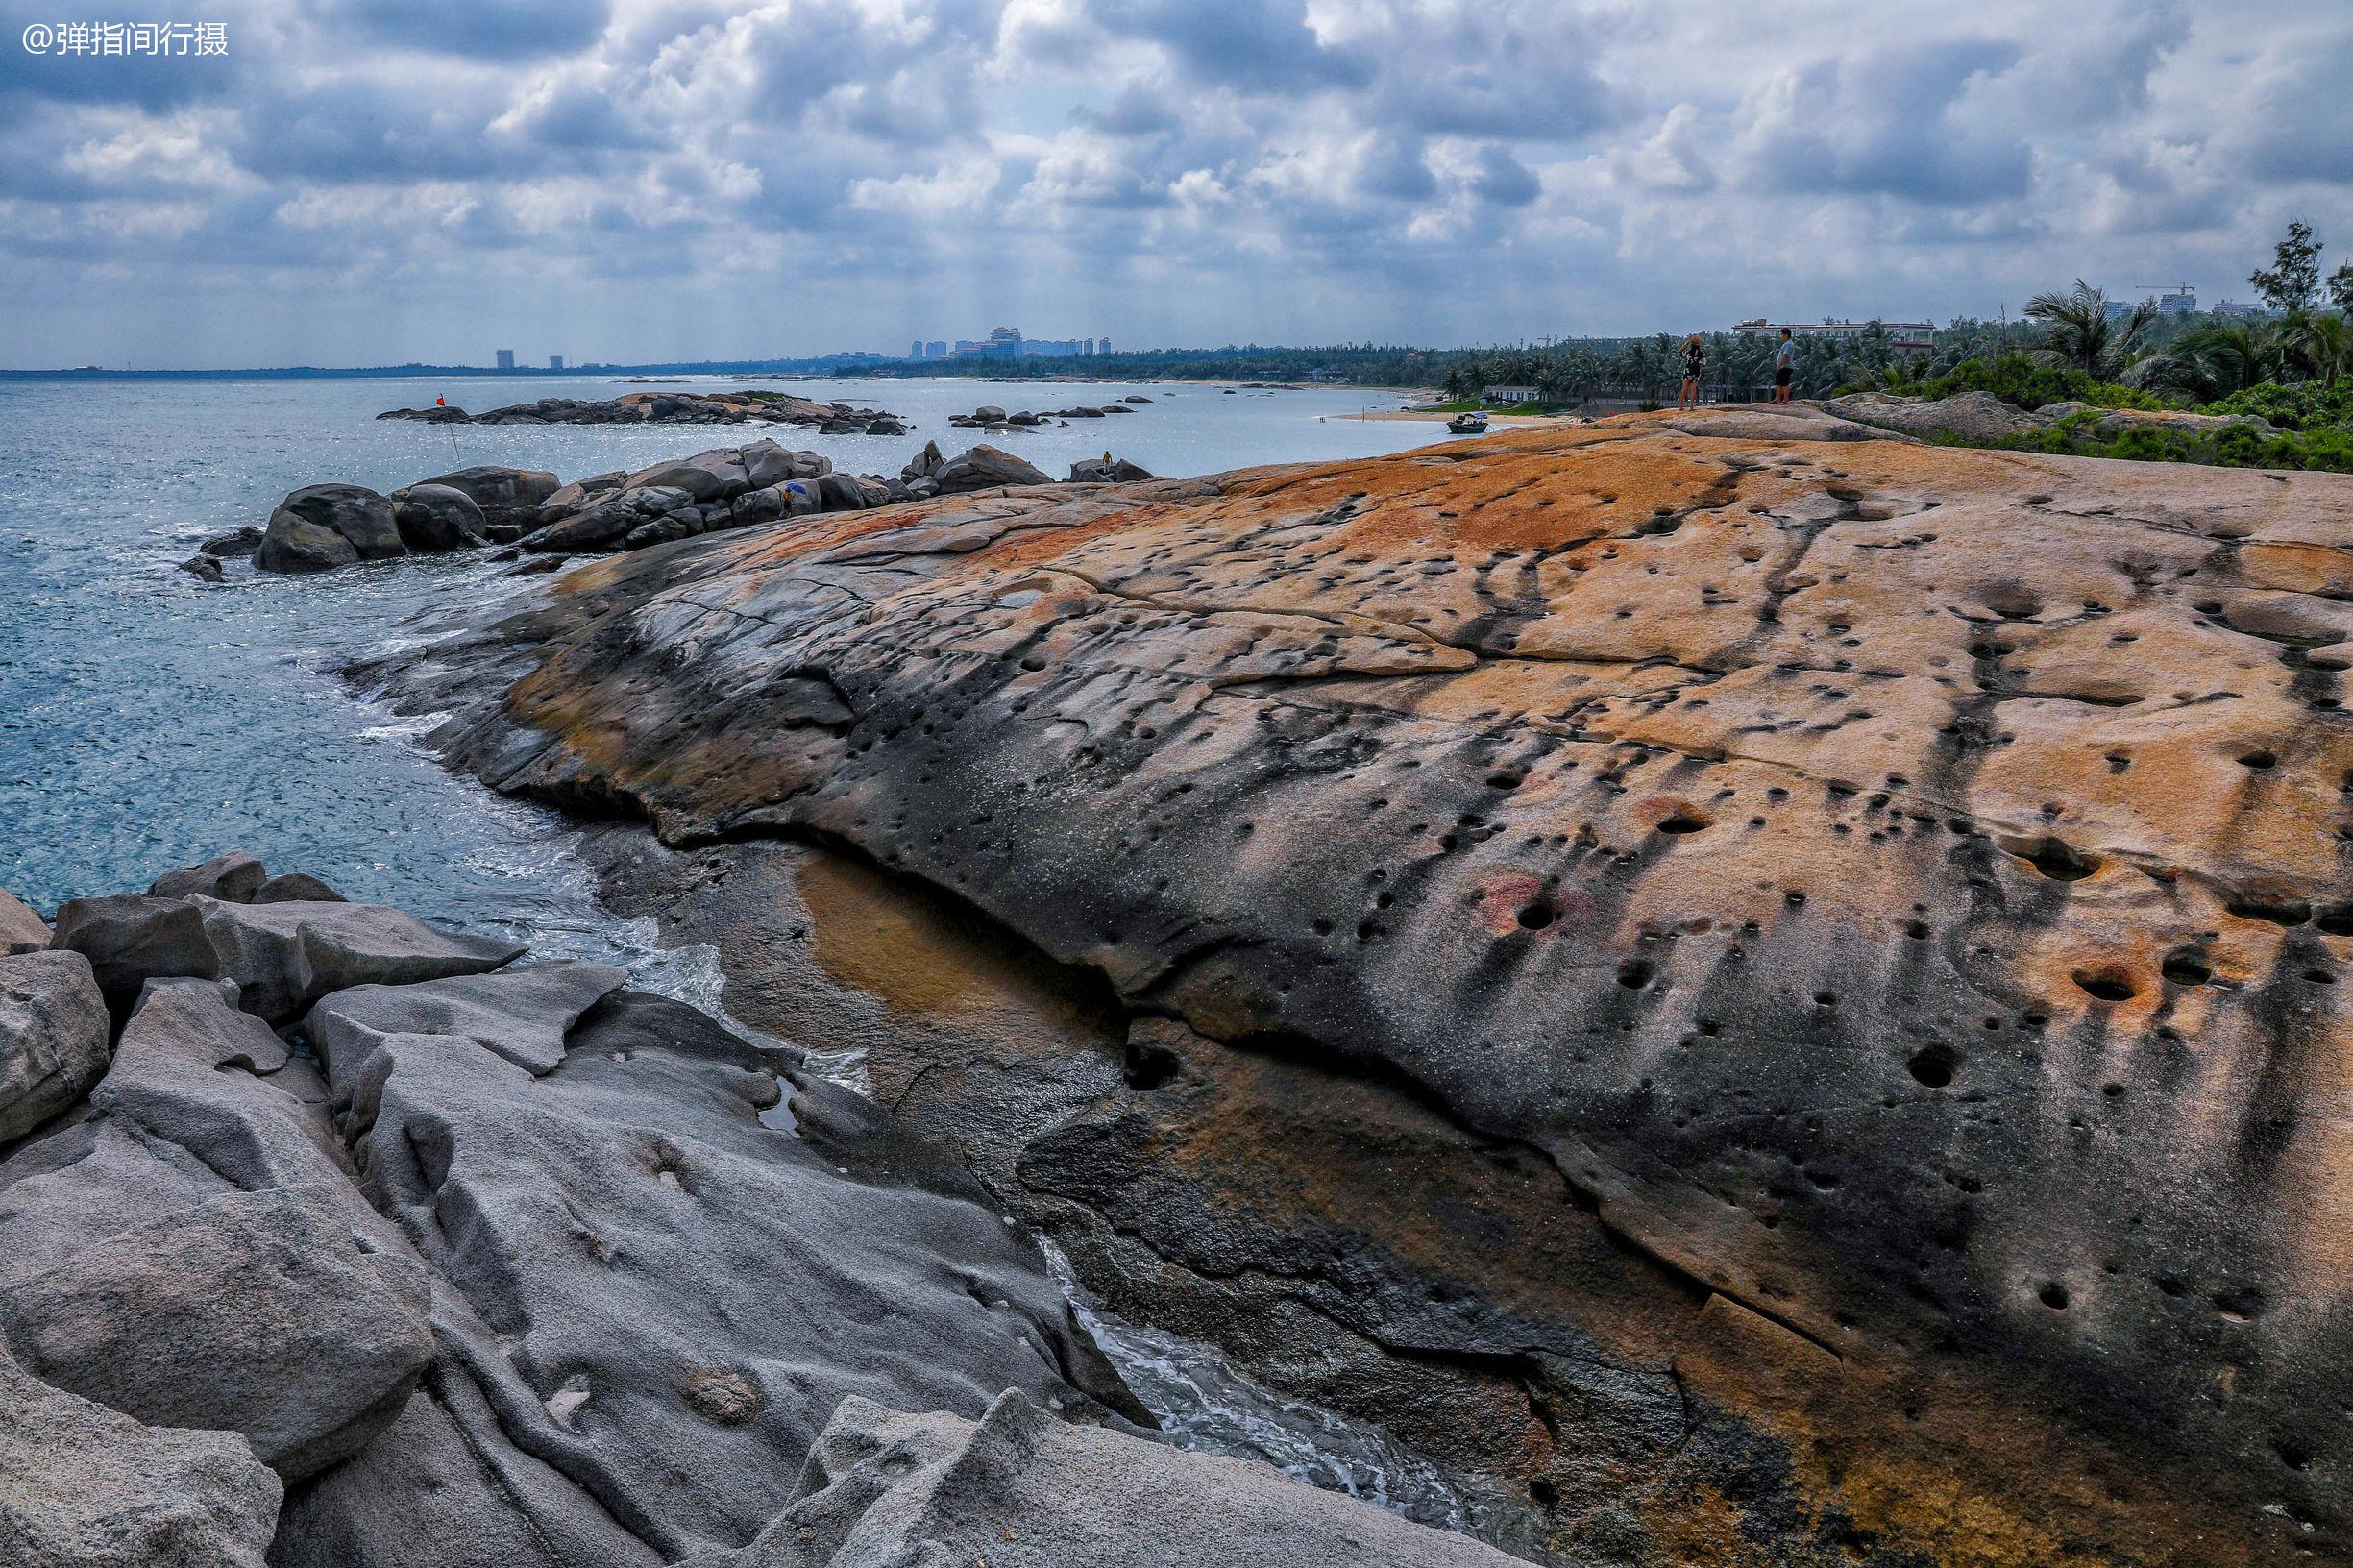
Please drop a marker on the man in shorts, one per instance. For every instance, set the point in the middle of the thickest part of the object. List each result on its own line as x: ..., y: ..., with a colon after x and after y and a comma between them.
x: 1784, y: 366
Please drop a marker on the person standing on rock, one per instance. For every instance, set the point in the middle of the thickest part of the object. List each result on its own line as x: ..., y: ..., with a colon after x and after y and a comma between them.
x: 1695, y: 365
x: 1785, y: 367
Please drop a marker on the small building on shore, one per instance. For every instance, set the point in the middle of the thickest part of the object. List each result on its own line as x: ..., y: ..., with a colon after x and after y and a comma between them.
x: 1509, y: 394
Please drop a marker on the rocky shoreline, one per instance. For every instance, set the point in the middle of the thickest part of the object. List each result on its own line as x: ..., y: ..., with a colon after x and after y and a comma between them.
x: 328, y: 1236
x: 322, y: 527
x: 674, y: 408
x: 1756, y: 990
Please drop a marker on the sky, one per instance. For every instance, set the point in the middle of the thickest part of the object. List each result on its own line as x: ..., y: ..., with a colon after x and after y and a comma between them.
x: 374, y: 182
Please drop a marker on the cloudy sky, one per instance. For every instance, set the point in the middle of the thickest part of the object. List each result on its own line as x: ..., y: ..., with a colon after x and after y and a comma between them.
x: 367, y: 181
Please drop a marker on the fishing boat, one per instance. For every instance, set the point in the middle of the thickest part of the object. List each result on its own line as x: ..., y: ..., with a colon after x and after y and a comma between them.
x: 1473, y: 422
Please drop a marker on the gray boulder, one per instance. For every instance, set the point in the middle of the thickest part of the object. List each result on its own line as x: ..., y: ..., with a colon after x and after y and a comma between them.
x: 708, y: 475
x: 765, y: 464
x: 193, y: 1254
x: 232, y: 878
x: 1018, y: 1486
x: 840, y: 492
x: 1107, y: 470
x: 295, y: 888
x: 984, y: 468
x: 19, y: 927
x: 323, y: 526
x: 923, y: 464
x: 434, y: 516
x: 234, y: 543
x: 507, y: 496
x: 53, y: 1037
x: 1970, y: 416
x: 989, y: 413
x: 283, y: 956
x: 664, y: 1253
x: 84, y: 1486
x: 205, y: 568
x: 570, y: 498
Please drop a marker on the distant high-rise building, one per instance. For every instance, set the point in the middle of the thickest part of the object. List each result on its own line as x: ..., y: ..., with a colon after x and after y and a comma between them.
x: 915, y: 350
x: 1102, y: 345
x: 555, y: 361
x: 936, y: 349
x: 506, y: 358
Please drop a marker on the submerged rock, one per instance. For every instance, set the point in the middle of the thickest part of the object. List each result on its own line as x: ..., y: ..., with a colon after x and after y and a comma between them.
x: 1871, y: 916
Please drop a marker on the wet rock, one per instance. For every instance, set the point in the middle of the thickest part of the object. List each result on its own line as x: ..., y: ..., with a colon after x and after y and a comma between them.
x: 507, y: 497
x: 192, y: 1255
x: 881, y: 1489
x: 438, y: 516
x: 20, y: 928
x: 204, y: 567
x: 233, y: 878
x: 283, y: 956
x: 1883, y: 887
x: 323, y: 526
x: 235, y: 544
x: 84, y: 1486
x: 53, y: 1038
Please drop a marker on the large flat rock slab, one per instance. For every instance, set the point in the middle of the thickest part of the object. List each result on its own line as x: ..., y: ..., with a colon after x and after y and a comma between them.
x: 1900, y: 890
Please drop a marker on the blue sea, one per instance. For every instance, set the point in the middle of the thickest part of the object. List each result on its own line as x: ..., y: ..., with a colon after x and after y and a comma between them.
x: 148, y: 719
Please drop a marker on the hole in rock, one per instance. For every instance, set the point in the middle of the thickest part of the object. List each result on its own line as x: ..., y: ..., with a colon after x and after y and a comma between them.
x: 1634, y: 974
x: 2107, y: 988
x: 2061, y: 862
x: 1537, y: 913
x: 2259, y: 760
x: 1934, y: 1067
x: 1683, y: 821
x: 2186, y: 966
x: 1150, y: 1066
x: 2052, y: 1295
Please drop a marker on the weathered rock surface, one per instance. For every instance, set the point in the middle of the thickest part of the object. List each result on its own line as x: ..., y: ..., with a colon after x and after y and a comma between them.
x: 20, y: 928
x: 438, y: 516
x: 84, y: 1486
x: 1107, y: 470
x: 1877, y: 912
x: 984, y: 468
x: 193, y: 1254
x: 283, y: 956
x: 54, y: 1039
x: 1970, y: 416
x: 1018, y: 1488
x: 233, y: 878
x: 325, y: 525
x: 663, y: 1252
x: 501, y: 495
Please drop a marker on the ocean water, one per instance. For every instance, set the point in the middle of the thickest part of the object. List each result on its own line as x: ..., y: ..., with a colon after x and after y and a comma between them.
x: 148, y: 719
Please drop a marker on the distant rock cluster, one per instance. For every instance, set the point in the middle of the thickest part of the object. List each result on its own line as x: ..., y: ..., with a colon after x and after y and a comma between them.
x: 674, y: 409
x: 990, y: 416
x: 322, y: 527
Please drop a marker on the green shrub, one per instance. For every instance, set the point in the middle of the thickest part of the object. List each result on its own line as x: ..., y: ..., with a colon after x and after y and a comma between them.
x: 2327, y: 448
x: 2304, y: 405
x: 2025, y: 382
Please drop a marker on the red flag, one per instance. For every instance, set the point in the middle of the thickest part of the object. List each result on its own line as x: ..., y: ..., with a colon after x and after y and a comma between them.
x: 441, y: 403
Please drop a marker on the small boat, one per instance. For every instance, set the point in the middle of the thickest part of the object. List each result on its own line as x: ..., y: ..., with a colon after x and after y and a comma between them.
x: 1473, y: 422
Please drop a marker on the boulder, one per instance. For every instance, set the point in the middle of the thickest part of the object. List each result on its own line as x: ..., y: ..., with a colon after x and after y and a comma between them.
x: 84, y: 1486
x: 507, y: 496
x: 882, y: 1489
x: 923, y: 464
x: 435, y: 517
x: 760, y: 507
x: 20, y: 928
x: 665, y: 1252
x: 765, y: 464
x: 55, y: 1038
x: 886, y: 426
x: 207, y: 568
x: 1135, y: 397
x: 283, y: 956
x: 989, y: 413
x: 1970, y: 416
x: 1779, y: 422
x: 295, y: 888
x: 984, y: 468
x: 838, y: 492
x: 296, y: 543
x: 232, y: 878
x: 705, y: 476
x: 1107, y: 470
x: 303, y: 530
x: 236, y: 543
x: 195, y: 1255
x: 570, y: 498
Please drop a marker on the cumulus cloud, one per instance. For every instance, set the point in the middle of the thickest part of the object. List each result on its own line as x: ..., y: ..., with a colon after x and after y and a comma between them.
x: 372, y: 180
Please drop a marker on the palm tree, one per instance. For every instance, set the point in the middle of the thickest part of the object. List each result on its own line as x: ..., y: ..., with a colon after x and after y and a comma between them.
x: 2216, y: 359
x: 2080, y: 331
x: 2322, y: 345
